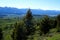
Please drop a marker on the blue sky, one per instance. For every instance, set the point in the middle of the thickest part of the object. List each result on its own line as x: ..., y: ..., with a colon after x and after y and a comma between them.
x: 33, y: 4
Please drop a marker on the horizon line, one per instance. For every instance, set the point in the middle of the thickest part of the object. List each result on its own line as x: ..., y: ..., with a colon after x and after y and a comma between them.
x: 29, y: 8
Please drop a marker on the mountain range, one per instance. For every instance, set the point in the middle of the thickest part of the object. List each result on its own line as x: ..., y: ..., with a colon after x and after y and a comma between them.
x: 8, y: 11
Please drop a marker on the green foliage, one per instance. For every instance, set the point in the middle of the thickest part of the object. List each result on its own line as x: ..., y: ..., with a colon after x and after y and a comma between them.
x: 54, y: 37
x: 29, y: 23
x: 44, y: 25
x: 29, y: 15
x: 58, y: 23
x: 19, y: 32
x: 53, y: 23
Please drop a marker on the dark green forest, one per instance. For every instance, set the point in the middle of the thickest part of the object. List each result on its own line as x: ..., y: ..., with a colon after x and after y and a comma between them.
x: 30, y: 28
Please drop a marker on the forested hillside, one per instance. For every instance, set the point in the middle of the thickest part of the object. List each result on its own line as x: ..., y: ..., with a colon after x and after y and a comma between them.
x: 30, y: 27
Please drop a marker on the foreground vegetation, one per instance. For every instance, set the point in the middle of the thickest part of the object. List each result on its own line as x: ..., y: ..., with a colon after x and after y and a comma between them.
x: 30, y: 28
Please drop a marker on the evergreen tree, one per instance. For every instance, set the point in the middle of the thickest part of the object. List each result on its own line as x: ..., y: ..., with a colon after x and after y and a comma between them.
x: 19, y: 32
x: 29, y: 22
x: 58, y: 23
x: 45, y: 26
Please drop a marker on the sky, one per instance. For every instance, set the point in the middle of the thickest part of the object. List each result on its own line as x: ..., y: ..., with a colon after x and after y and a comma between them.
x: 32, y: 4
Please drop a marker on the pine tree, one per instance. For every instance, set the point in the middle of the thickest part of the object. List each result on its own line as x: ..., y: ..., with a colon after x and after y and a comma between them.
x: 29, y: 22
x: 58, y: 23
x: 44, y: 25
x: 19, y: 32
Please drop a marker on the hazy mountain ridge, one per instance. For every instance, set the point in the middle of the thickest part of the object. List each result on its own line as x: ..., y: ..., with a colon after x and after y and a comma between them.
x: 15, y: 11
